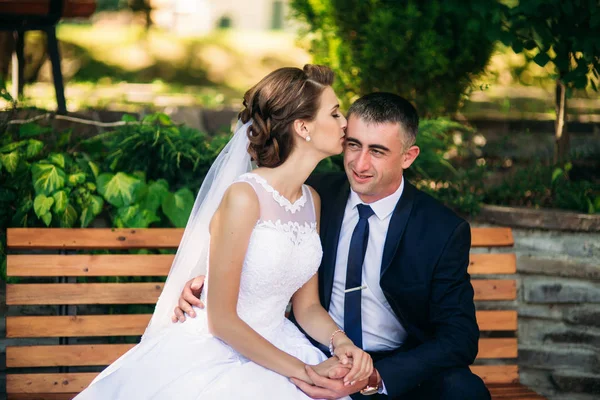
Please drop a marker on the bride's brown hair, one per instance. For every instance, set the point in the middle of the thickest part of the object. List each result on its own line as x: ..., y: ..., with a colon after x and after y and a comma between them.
x: 274, y: 103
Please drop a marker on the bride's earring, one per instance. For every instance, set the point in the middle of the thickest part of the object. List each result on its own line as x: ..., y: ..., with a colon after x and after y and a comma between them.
x: 308, y: 138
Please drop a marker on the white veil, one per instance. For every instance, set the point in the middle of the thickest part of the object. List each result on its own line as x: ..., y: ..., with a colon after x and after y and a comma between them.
x: 192, y: 255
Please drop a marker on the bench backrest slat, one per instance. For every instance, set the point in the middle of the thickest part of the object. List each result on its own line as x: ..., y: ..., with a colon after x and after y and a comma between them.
x: 148, y: 292
x: 159, y: 264
x: 100, y: 238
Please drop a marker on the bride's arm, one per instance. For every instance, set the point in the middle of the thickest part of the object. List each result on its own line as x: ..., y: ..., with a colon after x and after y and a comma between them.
x: 319, y: 325
x: 230, y: 230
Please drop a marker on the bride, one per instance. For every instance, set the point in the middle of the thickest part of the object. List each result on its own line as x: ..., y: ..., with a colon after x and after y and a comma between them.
x: 257, y: 231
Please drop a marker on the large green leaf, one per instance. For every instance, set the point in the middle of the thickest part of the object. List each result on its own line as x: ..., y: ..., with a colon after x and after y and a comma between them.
x: 96, y: 203
x: 135, y: 217
x: 157, y: 191
x: 68, y: 218
x: 60, y: 201
x: 178, y: 206
x: 47, y: 218
x: 541, y: 59
x: 77, y: 178
x: 95, y: 169
x: 47, y: 178
x: 91, y: 210
x: 10, y: 161
x: 12, y: 146
x: 32, y: 129
x: 34, y: 148
x: 42, y: 205
x: 57, y: 159
x: 118, y: 189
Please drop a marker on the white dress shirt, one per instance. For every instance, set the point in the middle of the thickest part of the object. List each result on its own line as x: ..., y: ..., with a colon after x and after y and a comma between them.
x: 380, y: 326
x: 381, y: 329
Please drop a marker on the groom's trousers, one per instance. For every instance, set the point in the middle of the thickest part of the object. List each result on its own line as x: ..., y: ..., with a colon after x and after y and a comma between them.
x: 450, y: 384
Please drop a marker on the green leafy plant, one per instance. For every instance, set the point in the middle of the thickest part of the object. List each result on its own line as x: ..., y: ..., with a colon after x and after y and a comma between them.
x: 544, y: 186
x: 445, y: 167
x: 17, y: 151
x: 426, y: 51
x: 562, y: 33
x: 65, y: 190
x: 158, y: 148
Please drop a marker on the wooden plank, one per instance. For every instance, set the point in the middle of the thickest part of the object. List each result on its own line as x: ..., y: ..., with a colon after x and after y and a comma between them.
x: 89, y: 265
x: 490, y: 289
x: 482, y: 264
x: 512, y: 391
x: 497, y: 373
x: 71, y: 355
x: 71, y: 382
x: 148, y: 292
x: 41, y: 396
x: 83, y: 293
x: 111, y: 238
x: 491, y: 237
x: 72, y: 8
x: 135, y: 324
x: 77, y: 325
x: 93, y: 238
x: 497, y: 348
x: 48, y: 383
x: 497, y: 320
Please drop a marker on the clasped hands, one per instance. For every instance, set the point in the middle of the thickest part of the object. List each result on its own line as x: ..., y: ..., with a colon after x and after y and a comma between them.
x: 345, y: 373
x: 328, y: 380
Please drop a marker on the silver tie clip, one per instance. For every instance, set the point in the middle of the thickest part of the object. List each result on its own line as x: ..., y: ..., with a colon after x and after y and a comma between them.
x: 354, y: 289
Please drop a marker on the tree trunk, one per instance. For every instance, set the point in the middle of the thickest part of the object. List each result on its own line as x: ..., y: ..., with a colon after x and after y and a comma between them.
x: 561, y: 134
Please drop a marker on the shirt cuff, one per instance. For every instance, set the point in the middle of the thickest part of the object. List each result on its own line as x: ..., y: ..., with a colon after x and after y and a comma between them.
x: 382, y: 388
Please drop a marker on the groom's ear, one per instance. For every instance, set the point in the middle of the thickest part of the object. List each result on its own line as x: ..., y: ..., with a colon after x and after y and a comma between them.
x: 410, y: 156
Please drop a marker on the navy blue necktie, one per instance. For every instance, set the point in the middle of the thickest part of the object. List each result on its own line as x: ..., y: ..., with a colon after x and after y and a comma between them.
x: 356, y: 257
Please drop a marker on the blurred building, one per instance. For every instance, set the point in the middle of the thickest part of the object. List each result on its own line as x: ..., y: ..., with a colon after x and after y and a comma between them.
x: 201, y: 16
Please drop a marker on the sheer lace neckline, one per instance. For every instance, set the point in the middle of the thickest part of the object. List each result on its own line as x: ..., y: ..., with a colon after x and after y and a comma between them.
x: 280, y: 199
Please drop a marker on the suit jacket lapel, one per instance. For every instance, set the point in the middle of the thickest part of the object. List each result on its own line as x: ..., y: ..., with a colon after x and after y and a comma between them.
x: 330, y: 235
x: 397, y: 225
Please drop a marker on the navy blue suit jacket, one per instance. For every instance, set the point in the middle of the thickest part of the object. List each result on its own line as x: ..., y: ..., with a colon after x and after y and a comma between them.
x: 423, y: 277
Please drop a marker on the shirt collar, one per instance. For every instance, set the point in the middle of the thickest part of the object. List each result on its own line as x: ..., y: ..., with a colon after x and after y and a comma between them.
x: 382, y: 208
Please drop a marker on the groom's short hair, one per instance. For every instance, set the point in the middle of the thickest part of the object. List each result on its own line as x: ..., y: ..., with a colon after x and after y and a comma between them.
x: 383, y: 107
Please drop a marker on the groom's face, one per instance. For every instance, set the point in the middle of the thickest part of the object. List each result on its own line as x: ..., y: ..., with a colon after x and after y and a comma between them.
x: 374, y: 157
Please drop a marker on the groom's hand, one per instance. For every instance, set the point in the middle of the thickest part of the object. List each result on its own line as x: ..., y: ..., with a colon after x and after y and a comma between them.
x: 326, y: 388
x: 190, y: 296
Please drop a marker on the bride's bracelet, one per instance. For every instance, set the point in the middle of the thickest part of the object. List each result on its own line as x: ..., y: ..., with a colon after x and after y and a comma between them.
x: 331, y: 340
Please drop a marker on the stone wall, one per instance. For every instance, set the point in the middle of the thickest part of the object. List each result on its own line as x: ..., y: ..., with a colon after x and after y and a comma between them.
x: 559, y: 311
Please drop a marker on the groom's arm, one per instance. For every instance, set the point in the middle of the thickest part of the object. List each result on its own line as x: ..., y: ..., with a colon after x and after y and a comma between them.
x: 451, y: 312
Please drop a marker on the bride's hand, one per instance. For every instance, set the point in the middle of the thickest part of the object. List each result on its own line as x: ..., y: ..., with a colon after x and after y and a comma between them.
x: 362, y: 364
x: 190, y: 296
x: 332, y: 368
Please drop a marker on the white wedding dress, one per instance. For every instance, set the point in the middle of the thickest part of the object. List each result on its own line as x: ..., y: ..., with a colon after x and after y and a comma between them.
x: 186, y: 362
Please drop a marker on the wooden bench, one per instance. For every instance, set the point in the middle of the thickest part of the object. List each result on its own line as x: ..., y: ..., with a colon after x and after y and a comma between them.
x: 19, y: 16
x: 61, y: 377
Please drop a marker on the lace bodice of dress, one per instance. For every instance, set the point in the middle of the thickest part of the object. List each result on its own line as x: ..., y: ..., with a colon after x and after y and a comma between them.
x: 284, y: 252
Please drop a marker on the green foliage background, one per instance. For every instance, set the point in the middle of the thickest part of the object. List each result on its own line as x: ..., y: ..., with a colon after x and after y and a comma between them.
x: 426, y: 51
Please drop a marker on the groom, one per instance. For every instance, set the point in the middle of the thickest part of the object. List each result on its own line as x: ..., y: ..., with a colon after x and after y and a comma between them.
x: 410, y: 303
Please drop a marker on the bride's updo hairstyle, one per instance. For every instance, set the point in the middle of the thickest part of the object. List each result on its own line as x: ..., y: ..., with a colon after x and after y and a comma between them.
x: 274, y: 103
